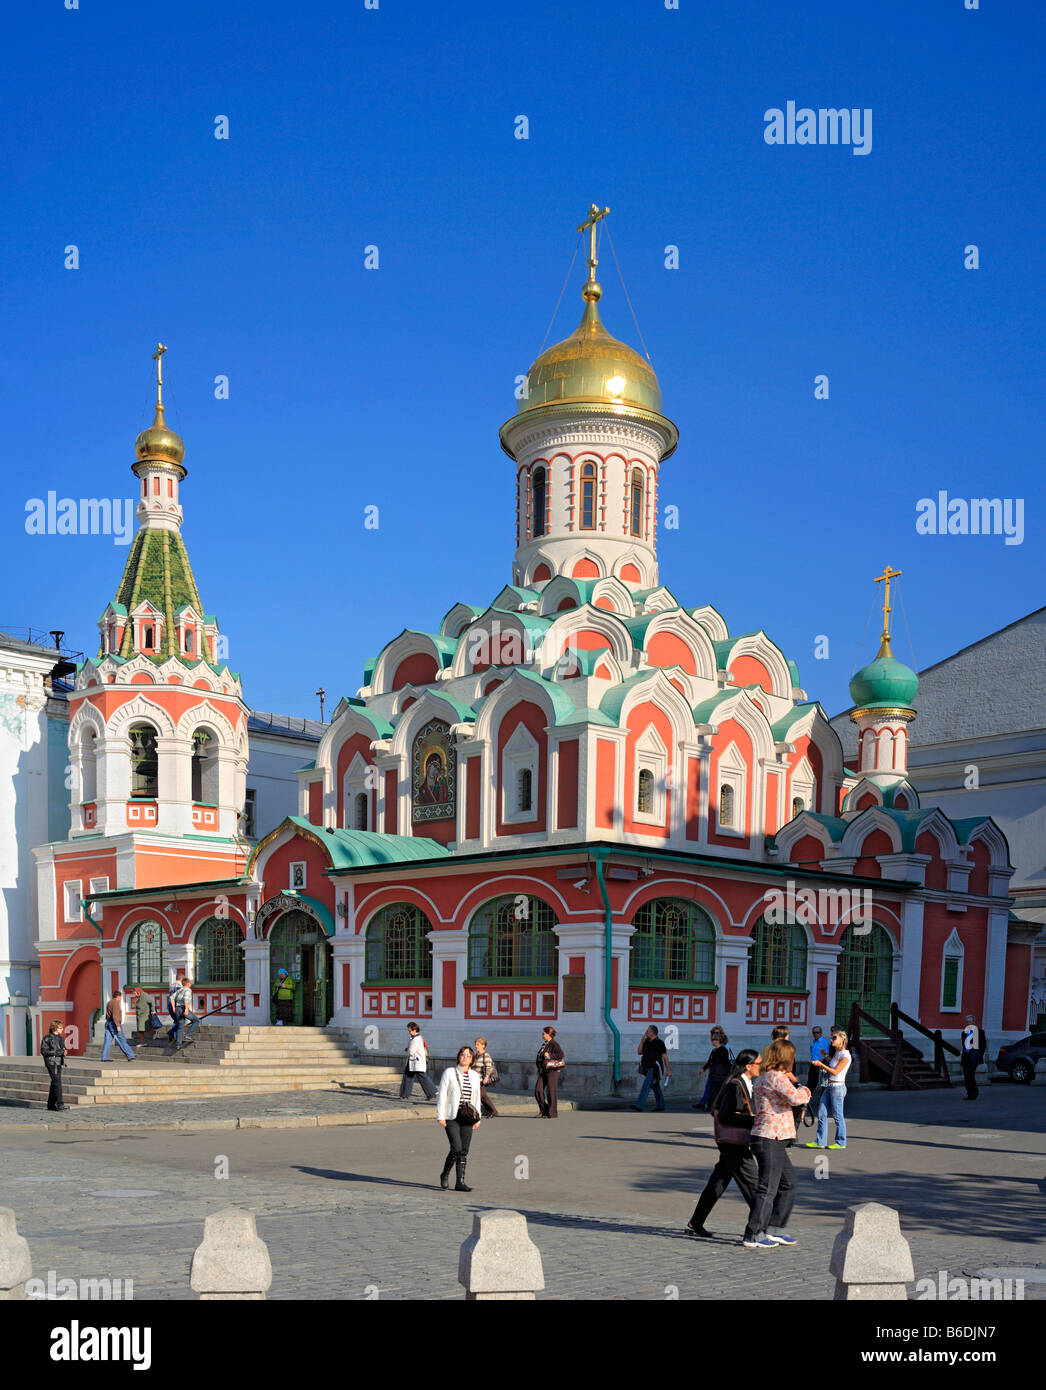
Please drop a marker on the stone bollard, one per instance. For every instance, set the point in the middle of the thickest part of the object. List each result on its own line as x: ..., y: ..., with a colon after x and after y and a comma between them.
x: 499, y: 1260
x: 233, y: 1261
x: 870, y: 1257
x: 15, y: 1264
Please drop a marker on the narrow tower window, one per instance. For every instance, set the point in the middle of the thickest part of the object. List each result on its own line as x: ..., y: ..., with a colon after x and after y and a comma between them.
x: 526, y: 789
x: 797, y: 806
x: 540, y: 477
x: 144, y: 766
x: 637, y: 502
x: 205, y: 768
x: 645, y: 799
x: 361, y: 811
x: 588, y: 497
x: 726, y: 805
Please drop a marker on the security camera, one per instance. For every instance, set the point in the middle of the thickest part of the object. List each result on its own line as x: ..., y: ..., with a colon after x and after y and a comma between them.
x: 581, y: 883
x: 168, y: 906
x: 646, y: 873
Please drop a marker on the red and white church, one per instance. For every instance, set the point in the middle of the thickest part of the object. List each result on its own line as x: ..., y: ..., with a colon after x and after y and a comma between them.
x: 571, y: 805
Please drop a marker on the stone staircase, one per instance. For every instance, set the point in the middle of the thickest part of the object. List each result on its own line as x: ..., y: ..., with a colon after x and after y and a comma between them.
x: 878, y: 1057
x: 225, y: 1061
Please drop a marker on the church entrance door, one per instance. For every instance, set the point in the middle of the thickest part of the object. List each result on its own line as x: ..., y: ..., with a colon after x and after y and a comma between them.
x: 865, y: 977
x: 299, y: 945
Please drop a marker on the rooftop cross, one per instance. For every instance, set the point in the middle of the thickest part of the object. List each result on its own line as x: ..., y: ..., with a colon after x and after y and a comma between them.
x: 884, y: 578
x: 158, y: 359
x: 595, y: 213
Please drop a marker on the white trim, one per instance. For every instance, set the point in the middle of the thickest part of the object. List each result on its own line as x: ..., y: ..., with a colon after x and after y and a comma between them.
x: 72, y: 912
x: 730, y: 771
x: 650, y: 756
x: 520, y: 754
x: 953, y: 949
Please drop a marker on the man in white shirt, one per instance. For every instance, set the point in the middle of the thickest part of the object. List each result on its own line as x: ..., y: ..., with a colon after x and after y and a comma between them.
x: 974, y: 1046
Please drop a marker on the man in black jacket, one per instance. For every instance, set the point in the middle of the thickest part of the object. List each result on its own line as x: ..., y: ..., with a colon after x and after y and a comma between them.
x: 736, y: 1160
x: 974, y: 1046
x: 52, y: 1050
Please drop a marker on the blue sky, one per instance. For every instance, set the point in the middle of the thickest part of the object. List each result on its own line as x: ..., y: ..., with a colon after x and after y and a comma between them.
x: 351, y: 127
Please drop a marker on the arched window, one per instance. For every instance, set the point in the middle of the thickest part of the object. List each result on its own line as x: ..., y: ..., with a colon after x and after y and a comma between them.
x: 674, y: 941
x: 398, y: 946
x: 188, y: 641
x: 513, y: 938
x: 144, y: 765
x: 588, y: 497
x: 360, y: 817
x: 798, y: 805
x: 147, y: 638
x: 726, y: 805
x: 147, y: 956
x: 204, y: 767
x: 645, y: 792
x: 526, y: 789
x: 539, y: 502
x: 217, y: 958
x: 88, y: 765
x: 637, y: 502
x: 777, y: 956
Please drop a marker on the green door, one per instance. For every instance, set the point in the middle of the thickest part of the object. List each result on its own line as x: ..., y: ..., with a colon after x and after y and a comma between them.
x: 865, y: 977
x: 299, y: 945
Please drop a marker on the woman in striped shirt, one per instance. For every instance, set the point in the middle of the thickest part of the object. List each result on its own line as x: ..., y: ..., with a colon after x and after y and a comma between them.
x: 457, y: 1110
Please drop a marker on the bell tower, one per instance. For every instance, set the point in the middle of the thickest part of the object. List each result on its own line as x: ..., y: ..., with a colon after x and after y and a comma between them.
x: 588, y: 439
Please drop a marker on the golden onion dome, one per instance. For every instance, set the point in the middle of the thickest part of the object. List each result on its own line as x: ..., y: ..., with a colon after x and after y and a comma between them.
x: 159, y: 443
x: 591, y: 366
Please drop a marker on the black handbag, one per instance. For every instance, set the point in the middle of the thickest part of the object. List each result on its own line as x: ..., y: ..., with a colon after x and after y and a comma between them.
x: 467, y: 1114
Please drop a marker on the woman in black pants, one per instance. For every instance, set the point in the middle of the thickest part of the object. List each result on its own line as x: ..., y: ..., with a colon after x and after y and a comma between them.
x: 457, y: 1109
x: 734, y: 1115
x: 52, y: 1050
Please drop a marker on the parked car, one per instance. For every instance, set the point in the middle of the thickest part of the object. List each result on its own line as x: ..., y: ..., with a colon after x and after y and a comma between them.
x: 1018, y: 1059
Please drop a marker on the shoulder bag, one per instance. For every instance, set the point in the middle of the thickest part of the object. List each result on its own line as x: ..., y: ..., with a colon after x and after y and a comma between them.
x: 733, y: 1134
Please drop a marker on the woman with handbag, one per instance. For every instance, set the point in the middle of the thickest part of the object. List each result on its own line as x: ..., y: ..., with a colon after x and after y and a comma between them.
x: 457, y: 1109
x: 774, y: 1095
x: 832, y: 1093
x: 489, y: 1076
x: 733, y: 1117
x: 550, y: 1062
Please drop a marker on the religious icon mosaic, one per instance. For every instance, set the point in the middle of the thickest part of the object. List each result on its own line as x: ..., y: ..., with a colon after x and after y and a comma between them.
x: 433, y: 774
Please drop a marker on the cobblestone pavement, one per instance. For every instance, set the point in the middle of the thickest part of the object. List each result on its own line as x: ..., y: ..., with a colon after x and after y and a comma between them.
x: 355, y: 1213
x: 266, y: 1110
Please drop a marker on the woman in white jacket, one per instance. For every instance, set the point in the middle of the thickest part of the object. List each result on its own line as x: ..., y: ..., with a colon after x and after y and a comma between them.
x: 457, y: 1109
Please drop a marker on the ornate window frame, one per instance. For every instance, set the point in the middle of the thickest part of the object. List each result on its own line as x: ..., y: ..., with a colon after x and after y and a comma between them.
x: 520, y: 755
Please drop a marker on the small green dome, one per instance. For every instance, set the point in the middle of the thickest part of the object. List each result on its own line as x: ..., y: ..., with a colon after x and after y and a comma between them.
x: 884, y: 681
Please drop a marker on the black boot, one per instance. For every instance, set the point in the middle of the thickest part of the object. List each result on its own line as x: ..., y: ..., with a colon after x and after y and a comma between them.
x: 444, y: 1177
x: 460, y: 1185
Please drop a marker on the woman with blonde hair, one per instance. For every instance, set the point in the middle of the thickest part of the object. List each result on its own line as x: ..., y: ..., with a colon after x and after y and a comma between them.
x: 833, y: 1092
x: 774, y: 1095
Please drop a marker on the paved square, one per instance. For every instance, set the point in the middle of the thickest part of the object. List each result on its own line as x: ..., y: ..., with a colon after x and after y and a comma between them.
x: 354, y: 1212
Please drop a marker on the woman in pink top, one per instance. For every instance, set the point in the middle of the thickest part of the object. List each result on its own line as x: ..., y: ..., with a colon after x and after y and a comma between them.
x: 775, y: 1093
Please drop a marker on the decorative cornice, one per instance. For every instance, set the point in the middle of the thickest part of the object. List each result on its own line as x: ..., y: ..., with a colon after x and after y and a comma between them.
x: 883, y: 712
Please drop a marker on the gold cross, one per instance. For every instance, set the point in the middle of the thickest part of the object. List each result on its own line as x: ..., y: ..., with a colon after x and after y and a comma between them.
x: 594, y: 215
x: 884, y: 578
x: 158, y: 359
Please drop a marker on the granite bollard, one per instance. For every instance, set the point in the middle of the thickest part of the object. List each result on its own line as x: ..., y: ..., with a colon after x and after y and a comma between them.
x: 499, y: 1260
x: 233, y: 1261
x: 15, y: 1264
x: 870, y: 1257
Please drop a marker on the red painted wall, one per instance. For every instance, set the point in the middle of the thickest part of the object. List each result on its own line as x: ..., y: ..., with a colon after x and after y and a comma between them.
x: 391, y: 781
x: 693, y: 799
x: 604, y: 783
x: 358, y: 743
x: 730, y: 732
x: 1015, y: 995
x: 567, y: 791
x: 666, y: 649
x: 641, y: 717
x: 748, y: 670
x: 533, y: 719
x: 936, y: 870
x: 472, y: 798
x: 419, y: 669
x: 585, y: 569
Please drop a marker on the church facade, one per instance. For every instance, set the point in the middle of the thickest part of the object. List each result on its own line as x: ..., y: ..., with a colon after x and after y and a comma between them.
x: 582, y: 803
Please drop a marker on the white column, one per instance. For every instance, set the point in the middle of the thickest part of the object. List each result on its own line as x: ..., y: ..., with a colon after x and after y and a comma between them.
x: 348, y: 949
x: 822, y: 957
x: 256, y: 978
x: 448, y: 946
x: 995, y: 971
x: 590, y: 1038
x: 732, y: 950
x: 911, y: 954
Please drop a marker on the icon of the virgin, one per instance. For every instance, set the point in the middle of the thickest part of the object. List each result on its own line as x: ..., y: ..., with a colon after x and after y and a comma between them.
x: 434, y: 790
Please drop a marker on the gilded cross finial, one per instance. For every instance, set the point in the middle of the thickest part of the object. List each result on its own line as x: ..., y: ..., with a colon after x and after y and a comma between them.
x: 595, y: 213
x: 884, y: 578
x: 158, y: 359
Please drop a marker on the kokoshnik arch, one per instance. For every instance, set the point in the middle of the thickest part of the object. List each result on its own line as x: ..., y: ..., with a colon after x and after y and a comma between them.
x: 567, y: 805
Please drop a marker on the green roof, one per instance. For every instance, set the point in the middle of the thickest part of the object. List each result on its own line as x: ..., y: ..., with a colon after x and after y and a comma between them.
x: 780, y: 728
x: 354, y: 848
x: 158, y: 572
